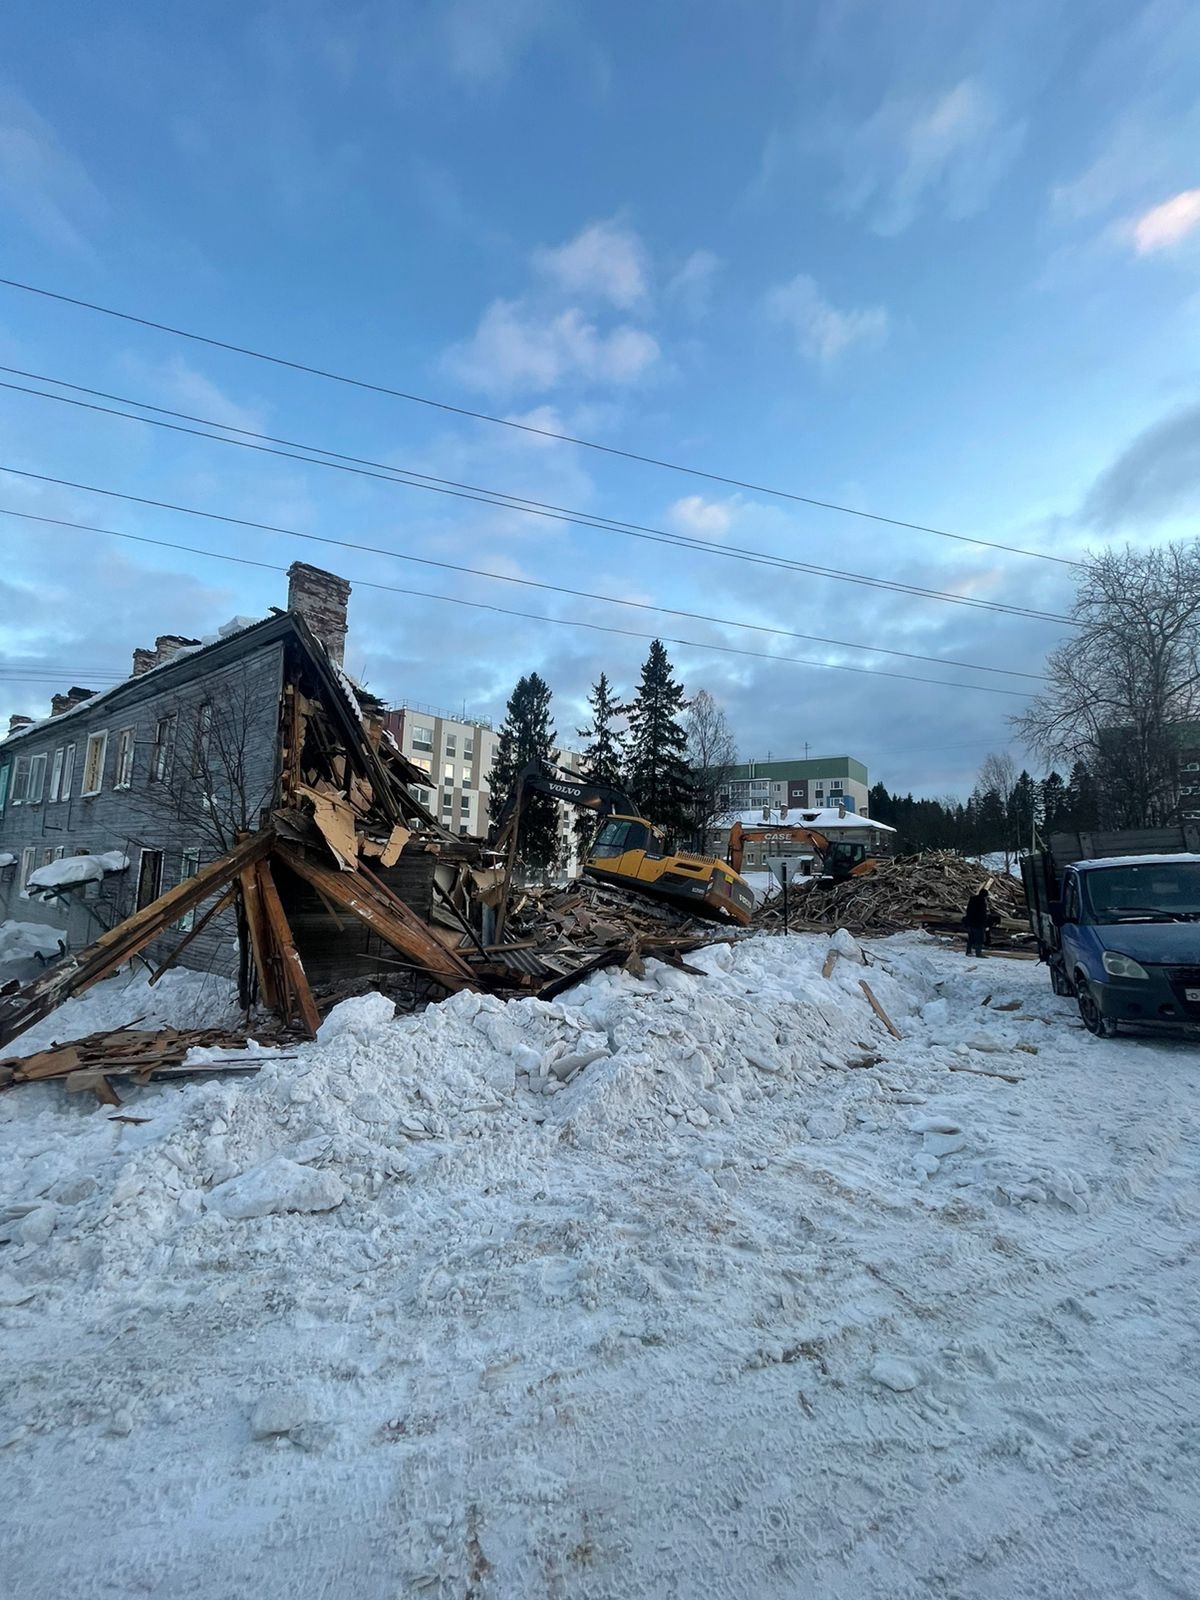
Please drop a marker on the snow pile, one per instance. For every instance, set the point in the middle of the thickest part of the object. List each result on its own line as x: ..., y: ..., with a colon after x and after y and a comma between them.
x: 25, y: 941
x: 69, y: 872
x: 675, y: 1285
x: 7, y: 859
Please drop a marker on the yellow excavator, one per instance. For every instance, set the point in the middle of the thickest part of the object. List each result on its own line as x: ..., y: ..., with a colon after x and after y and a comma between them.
x: 839, y: 861
x: 629, y: 851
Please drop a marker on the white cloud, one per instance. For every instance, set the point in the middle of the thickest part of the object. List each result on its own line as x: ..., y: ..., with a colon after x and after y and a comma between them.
x: 1168, y: 224
x: 917, y: 154
x: 40, y: 181
x: 694, y: 514
x: 605, y: 260
x: 518, y: 348
x: 692, y: 285
x: 823, y: 333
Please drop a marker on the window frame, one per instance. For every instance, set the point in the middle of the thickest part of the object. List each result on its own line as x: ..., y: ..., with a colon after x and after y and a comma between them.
x: 100, y: 740
x: 28, y: 866
x: 56, y: 768
x: 450, y: 750
x: 189, y: 857
x: 147, y: 850
x: 422, y: 739
x: 163, y: 753
x: 202, y: 740
x: 37, y: 779
x: 5, y: 775
x: 126, y: 744
x: 67, y: 776
x: 20, y: 779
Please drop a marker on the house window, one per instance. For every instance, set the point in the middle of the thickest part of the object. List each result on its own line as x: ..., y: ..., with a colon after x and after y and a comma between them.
x: 123, y: 776
x: 468, y: 746
x: 451, y: 745
x: 203, y: 739
x: 68, y: 774
x: 448, y: 800
x: 466, y: 780
x: 463, y: 831
x: 164, y: 745
x: 149, y: 877
x: 20, y: 787
x: 422, y: 738
x: 93, y: 763
x: 448, y: 772
x: 4, y: 776
x: 189, y: 866
x: 37, y: 779
x: 28, y: 866
x: 56, y: 774
x: 464, y: 803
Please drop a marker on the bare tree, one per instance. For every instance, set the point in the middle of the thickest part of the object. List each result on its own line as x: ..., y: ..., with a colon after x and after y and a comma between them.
x: 1125, y: 684
x: 711, y: 756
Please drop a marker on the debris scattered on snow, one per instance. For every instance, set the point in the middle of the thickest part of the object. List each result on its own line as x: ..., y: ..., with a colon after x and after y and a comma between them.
x: 278, y: 1185
x: 893, y: 1373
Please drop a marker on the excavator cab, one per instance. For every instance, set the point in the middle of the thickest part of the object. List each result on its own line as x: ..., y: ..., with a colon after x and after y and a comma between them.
x: 628, y: 850
x: 842, y: 860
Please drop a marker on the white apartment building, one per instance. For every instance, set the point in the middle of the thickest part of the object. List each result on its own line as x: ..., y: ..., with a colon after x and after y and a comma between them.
x: 458, y: 755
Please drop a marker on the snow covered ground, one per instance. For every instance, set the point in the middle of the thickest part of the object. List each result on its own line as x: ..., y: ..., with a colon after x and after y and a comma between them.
x: 674, y: 1287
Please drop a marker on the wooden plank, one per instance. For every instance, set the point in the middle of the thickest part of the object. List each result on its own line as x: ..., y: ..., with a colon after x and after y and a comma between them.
x: 306, y: 1006
x: 363, y: 896
x: 878, y: 1009
x: 334, y: 818
x: 196, y: 929
x: 829, y: 963
x: 260, y: 943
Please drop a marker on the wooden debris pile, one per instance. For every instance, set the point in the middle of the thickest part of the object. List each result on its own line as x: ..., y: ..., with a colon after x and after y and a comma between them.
x: 929, y: 890
x: 89, y: 1063
x: 557, y: 936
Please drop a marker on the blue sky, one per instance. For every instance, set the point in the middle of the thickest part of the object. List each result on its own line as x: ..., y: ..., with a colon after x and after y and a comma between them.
x: 938, y: 263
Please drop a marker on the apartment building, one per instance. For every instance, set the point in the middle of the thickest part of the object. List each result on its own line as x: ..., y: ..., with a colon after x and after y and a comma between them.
x: 458, y: 754
x: 813, y: 782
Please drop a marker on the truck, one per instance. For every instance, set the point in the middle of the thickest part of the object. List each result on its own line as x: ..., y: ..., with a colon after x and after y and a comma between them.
x: 1116, y: 917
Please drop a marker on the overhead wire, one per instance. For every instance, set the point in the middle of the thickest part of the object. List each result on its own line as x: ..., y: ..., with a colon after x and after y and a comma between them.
x: 503, y: 577
x: 568, y: 622
x: 525, y: 427
x: 384, y: 473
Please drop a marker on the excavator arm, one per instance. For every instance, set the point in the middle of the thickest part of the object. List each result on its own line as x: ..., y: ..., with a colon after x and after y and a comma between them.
x: 602, y: 798
x: 739, y: 836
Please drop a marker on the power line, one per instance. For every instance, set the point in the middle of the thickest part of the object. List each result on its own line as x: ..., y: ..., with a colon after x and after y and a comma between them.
x: 528, y: 616
x: 525, y: 427
x: 386, y: 474
x: 499, y: 577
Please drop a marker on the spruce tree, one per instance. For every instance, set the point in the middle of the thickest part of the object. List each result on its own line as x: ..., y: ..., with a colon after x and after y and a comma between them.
x: 658, y: 769
x: 527, y: 735
x: 603, y: 753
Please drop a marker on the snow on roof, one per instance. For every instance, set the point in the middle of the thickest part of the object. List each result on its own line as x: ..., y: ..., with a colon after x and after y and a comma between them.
x: 1138, y: 861
x: 826, y: 819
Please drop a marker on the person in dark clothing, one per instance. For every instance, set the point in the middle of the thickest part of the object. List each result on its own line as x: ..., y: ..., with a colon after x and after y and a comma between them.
x: 977, y: 919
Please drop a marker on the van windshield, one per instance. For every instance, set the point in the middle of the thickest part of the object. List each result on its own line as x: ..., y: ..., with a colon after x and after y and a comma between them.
x: 1155, y: 892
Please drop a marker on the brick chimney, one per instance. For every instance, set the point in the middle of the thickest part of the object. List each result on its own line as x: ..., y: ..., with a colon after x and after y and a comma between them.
x: 64, y: 702
x: 321, y: 599
x: 143, y: 660
x: 16, y: 722
x: 168, y: 645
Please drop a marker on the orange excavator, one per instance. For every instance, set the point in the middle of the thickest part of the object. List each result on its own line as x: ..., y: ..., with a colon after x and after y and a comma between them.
x: 839, y: 860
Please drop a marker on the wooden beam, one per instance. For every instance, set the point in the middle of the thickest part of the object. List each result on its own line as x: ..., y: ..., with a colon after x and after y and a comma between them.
x: 878, y: 1009
x: 297, y: 981
x: 260, y: 941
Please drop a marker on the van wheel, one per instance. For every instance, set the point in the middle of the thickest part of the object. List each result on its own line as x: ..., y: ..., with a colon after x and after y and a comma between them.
x: 1094, y: 1019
